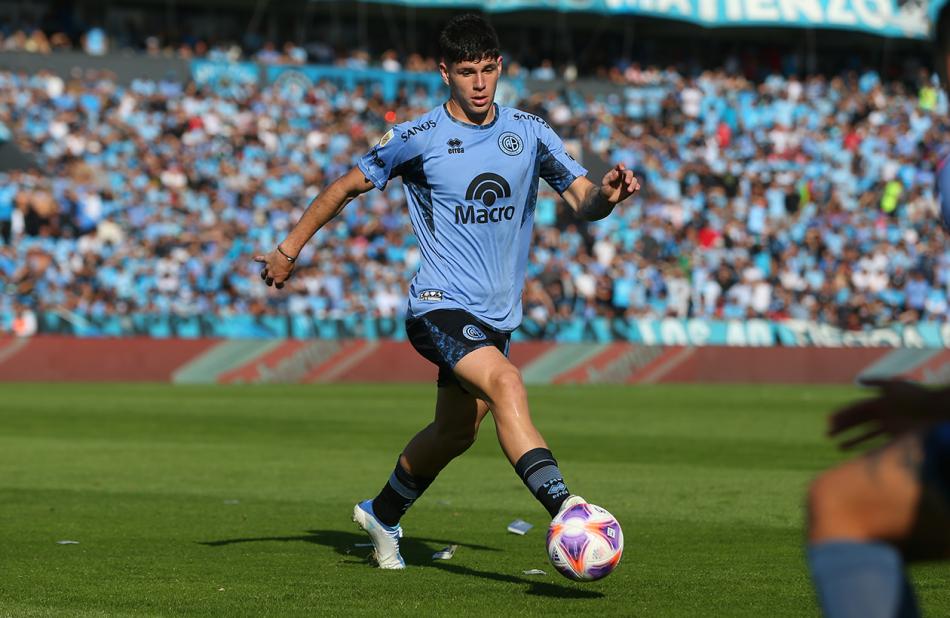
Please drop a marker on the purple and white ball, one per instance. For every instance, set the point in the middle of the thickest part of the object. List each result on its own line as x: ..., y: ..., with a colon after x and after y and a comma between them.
x: 585, y: 542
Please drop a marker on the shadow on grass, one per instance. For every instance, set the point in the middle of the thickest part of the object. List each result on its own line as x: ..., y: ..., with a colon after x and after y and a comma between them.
x: 417, y: 552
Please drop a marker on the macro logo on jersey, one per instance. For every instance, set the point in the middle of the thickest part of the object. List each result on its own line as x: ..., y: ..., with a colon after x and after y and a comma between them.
x: 486, y: 188
x: 474, y: 333
x: 510, y: 143
x: 418, y: 128
x: 455, y: 146
x: 385, y: 139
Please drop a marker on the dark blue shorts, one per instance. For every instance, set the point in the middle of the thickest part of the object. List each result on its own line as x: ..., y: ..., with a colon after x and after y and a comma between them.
x: 444, y: 336
x: 937, y: 457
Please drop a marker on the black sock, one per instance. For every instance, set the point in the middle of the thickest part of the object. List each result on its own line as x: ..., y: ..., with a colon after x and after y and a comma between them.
x: 398, y: 495
x: 538, y: 469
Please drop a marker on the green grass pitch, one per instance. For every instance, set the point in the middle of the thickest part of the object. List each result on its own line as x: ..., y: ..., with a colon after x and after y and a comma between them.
x: 236, y: 501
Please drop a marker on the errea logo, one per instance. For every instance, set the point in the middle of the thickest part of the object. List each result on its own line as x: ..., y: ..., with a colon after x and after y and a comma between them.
x: 455, y: 146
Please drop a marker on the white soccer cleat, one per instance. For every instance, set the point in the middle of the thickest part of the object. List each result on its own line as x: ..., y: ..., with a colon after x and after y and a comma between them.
x: 385, y: 538
x: 571, y: 501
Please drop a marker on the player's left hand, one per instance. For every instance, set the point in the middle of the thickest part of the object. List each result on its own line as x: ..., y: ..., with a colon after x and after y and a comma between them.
x: 619, y: 184
x: 899, y: 407
x: 276, y: 268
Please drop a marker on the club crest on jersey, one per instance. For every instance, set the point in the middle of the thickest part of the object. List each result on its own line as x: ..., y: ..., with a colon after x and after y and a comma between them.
x: 510, y: 143
x: 474, y: 333
x: 455, y: 146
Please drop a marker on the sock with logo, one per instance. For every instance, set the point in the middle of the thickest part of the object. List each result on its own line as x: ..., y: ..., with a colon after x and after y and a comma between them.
x: 861, y: 580
x: 398, y: 495
x: 538, y: 469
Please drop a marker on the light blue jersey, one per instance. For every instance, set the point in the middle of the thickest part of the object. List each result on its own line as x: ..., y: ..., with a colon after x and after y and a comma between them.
x: 471, y: 192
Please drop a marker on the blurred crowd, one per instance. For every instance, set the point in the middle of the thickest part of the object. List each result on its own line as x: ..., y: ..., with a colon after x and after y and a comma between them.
x: 98, y: 42
x: 787, y: 198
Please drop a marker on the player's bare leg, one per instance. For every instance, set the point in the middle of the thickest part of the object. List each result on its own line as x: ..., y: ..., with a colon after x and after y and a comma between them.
x: 490, y: 375
x: 457, y: 418
x: 487, y: 372
x: 865, y: 517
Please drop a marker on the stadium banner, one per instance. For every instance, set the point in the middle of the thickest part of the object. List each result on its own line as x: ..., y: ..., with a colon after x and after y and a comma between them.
x: 56, y: 358
x: 666, y: 332
x: 296, y: 80
x: 891, y: 18
x: 219, y: 74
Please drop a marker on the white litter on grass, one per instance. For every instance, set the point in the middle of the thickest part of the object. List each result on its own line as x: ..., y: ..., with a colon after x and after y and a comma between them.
x: 220, y: 589
x: 534, y: 572
x: 67, y: 542
x: 519, y: 526
x: 445, y: 554
x: 232, y: 502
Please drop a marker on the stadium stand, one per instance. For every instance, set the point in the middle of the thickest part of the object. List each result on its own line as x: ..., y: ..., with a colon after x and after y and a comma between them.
x: 786, y: 198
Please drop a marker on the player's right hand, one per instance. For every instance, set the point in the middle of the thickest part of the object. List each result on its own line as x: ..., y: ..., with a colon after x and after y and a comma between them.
x: 899, y: 407
x: 277, y: 268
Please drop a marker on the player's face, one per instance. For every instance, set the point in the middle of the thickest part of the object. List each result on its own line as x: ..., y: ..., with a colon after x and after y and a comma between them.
x: 472, y: 84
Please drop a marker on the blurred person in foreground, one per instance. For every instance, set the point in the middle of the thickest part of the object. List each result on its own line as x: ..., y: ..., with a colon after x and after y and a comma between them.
x: 470, y: 170
x: 869, y: 517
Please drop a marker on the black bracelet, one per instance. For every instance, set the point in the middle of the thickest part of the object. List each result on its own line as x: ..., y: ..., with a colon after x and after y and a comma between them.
x: 289, y: 258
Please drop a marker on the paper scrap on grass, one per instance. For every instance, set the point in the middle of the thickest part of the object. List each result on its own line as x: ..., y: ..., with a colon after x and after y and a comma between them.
x: 519, y: 526
x: 534, y: 572
x: 445, y: 554
x: 67, y: 542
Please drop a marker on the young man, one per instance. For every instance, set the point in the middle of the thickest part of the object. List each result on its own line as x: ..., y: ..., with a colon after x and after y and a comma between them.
x: 869, y: 516
x: 470, y: 170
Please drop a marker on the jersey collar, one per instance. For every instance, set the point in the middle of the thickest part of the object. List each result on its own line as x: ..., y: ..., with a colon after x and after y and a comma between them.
x: 477, y: 127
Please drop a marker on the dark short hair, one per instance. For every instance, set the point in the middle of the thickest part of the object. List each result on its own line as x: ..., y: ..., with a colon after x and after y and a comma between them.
x: 470, y: 38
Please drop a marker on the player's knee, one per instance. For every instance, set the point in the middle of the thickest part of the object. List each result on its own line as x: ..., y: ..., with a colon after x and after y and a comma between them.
x: 457, y: 438
x: 507, y: 385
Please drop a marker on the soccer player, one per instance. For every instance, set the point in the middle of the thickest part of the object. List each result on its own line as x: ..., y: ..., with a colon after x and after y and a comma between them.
x: 871, y: 515
x: 470, y: 170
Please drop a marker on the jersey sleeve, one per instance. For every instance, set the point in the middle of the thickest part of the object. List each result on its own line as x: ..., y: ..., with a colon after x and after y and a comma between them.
x: 558, y: 167
x: 943, y: 192
x: 380, y: 162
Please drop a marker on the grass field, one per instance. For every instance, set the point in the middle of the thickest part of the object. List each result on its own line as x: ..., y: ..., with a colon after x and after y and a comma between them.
x: 236, y: 501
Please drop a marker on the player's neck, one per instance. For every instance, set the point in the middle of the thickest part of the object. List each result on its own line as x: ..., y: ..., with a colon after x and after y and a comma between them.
x: 457, y: 112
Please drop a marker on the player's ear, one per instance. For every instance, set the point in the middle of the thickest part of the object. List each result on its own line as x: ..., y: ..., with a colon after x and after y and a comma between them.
x: 444, y: 72
x: 500, y: 60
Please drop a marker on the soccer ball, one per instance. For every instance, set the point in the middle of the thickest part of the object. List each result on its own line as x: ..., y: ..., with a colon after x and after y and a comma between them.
x: 585, y: 542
